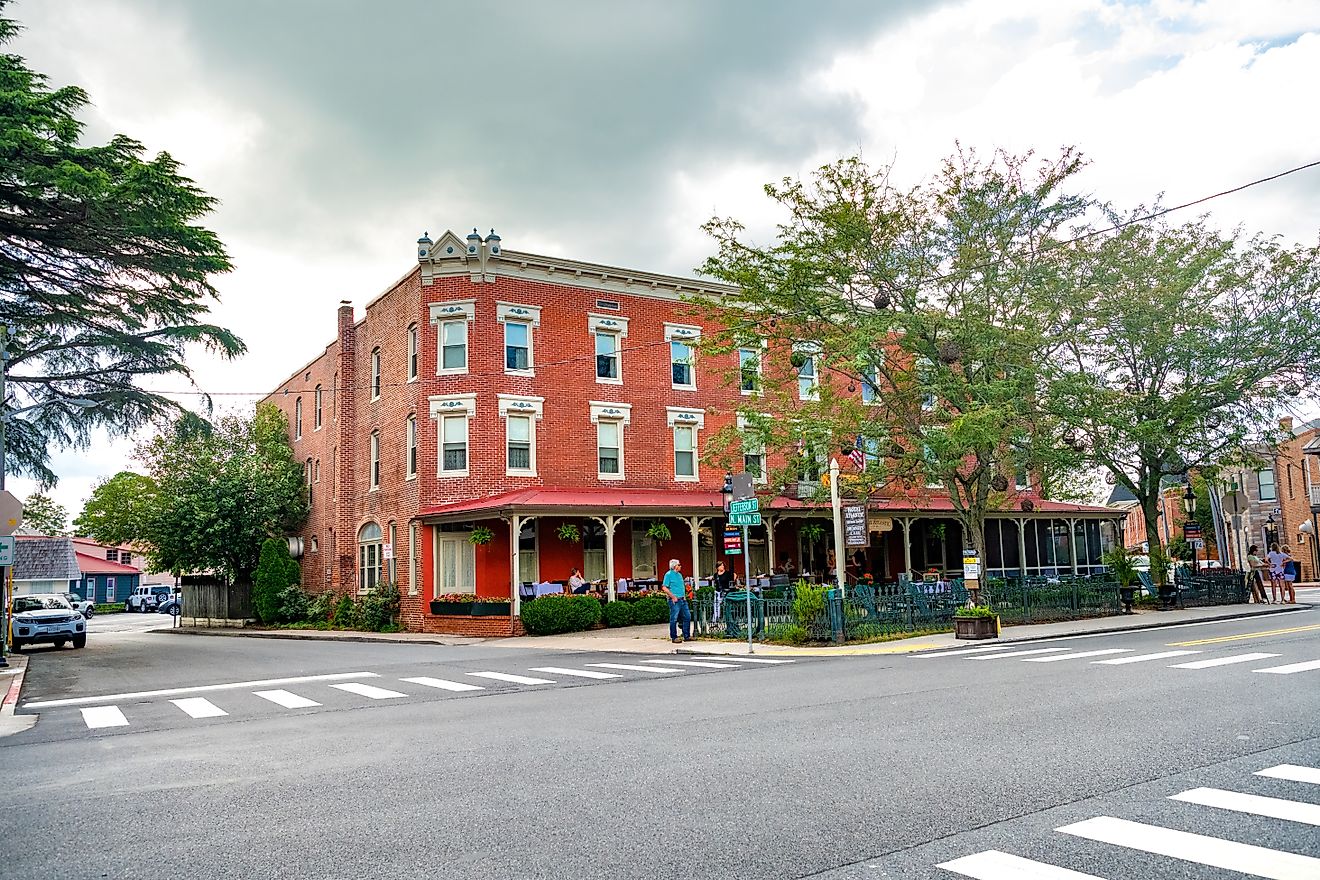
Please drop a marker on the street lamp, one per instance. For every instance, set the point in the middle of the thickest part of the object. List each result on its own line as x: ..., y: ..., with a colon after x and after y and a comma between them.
x: 1189, y: 502
x: 1271, y: 533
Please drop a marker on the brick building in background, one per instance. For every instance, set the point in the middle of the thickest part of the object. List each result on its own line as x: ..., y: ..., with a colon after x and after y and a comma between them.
x: 537, y: 397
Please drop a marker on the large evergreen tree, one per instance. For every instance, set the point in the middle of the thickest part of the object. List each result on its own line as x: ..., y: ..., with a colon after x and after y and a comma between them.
x: 104, y: 274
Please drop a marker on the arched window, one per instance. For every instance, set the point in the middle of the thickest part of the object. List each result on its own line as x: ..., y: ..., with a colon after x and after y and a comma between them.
x: 370, y: 539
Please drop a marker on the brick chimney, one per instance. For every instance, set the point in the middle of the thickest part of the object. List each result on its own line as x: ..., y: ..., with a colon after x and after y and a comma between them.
x: 345, y: 579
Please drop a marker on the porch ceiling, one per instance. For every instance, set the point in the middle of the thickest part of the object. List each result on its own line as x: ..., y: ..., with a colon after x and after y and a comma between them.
x: 658, y: 502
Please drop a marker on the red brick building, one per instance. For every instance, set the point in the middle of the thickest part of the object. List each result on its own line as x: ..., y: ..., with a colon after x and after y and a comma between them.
x: 558, y: 406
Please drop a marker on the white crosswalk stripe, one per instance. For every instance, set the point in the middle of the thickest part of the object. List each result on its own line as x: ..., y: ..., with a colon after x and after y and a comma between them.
x: 995, y: 865
x: 1291, y: 668
x: 199, y: 707
x: 1018, y: 653
x: 1273, y: 808
x: 1079, y: 655
x: 286, y: 699
x: 103, y: 716
x: 1222, y: 661
x: 514, y: 679
x: 753, y: 659
x: 580, y: 673
x: 699, y: 663
x: 369, y: 691
x: 631, y: 668
x: 1292, y: 773
x: 444, y: 684
x: 1142, y: 658
x: 1214, y: 852
x: 962, y: 651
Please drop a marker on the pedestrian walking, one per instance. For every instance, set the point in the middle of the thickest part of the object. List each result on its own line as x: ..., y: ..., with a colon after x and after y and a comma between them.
x: 1276, y: 558
x: 1256, y: 574
x: 679, y: 612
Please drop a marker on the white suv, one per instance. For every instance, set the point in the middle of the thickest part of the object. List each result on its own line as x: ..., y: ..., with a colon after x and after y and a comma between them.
x: 147, y: 598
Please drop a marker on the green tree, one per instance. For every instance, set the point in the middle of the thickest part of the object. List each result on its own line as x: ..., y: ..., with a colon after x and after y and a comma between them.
x: 221, y: 492
x: 119, y: 510
x: 1184, y: 348
x: 41, y: 513
x: 104, y: 274
x: 940, y: 303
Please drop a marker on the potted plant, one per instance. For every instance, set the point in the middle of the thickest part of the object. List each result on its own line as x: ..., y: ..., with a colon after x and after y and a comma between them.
x: 658, y: 531
x: 490, y: 606
x: 480, y: 536
x: 569, y: 532
x: 1161, y: 569
x: 812, y: 531
x: 975, y: 622
x: 1124, y: 567
x: 453, y: 603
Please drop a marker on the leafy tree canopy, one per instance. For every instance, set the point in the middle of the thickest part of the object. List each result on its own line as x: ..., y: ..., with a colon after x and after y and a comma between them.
x: 42, y: 514
x: 104, y: 274
x: 118, y: 510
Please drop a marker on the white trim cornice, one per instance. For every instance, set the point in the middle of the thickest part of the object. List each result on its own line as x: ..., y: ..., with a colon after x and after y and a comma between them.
x: 453, y: 308
x: 520, y: 404
x: 601, y: 409
x: 453, y: 405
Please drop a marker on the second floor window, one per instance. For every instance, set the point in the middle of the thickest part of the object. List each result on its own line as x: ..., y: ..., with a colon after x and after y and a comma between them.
x: 375, y: 373
x: 519, y: 443
x: 1265, y: 479
x: 807, y: 376
x: 609, y: 448
x: 411, y: 452
x: 685, y: 451
x: 454, y: 445
x: 517, y: 346
x: 749, y: 370
x: 607, y: 356
x: 413, y: 346
x: 375, y: 459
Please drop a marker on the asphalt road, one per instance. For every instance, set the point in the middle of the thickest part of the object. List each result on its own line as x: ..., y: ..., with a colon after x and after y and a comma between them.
x: 879, y: 766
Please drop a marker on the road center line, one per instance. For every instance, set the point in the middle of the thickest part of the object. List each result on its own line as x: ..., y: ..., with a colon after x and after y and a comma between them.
x: 1255, y: 635
x: 236, y: 685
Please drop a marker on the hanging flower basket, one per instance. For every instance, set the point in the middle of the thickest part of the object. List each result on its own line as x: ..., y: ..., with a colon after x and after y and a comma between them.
x: 480, y: 536
x: 658, y: 531
x: 569, y: 532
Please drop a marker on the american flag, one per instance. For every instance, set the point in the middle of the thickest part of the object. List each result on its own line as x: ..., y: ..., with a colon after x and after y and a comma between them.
x: 858, y: 454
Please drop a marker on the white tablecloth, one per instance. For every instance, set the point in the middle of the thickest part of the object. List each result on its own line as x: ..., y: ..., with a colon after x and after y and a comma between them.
x: 547, y: 589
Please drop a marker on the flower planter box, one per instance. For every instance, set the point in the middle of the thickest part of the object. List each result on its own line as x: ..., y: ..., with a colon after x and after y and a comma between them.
x: 491, y: 609
x: 438, y: 607
x: 975, y: 627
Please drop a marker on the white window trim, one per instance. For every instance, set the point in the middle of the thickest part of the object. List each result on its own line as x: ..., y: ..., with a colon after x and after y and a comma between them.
x: 602, y: 411
x: 507, y: 312
x: 758, y: 450
x: 607, y: 324
x: 441, y: 314
x: 413, y: 532
x: 414, y: 351
x: 442, y: 405
x: 410, y: 452
x: 377, y: 373
x: 689, y: 336
x: 686, y: 417
x: 520, y: 405
x: 373, y: 462
x: 811, y: 350
x: 762, y: 345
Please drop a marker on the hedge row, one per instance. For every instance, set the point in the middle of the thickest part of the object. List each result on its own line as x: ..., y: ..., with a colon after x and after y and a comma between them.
x: 560, y: 614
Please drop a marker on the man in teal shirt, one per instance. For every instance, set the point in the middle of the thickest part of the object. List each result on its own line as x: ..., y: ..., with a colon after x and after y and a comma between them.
x: 678, y: 606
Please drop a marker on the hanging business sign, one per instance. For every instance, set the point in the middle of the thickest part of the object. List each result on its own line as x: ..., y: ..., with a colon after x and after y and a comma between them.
x: 732, y: 542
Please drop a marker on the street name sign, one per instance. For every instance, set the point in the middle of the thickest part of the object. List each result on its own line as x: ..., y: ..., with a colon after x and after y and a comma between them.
x: 744, y: 519
x: 7, y: 543
x: 750, y: 505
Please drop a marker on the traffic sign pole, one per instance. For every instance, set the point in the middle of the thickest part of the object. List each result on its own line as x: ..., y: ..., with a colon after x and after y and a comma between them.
x: 747, y: 588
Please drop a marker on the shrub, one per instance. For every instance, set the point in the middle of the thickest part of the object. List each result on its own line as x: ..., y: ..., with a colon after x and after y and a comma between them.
x: 559, y: 614
x: 788, y: 633
x: 651, y: 609
x: 808, y: 603
x: 320, y: 607
x: 275, y: 572
x: 379, y: 608
x: 618, y: 614
x: 345, y: 615
x: 292, y: 604
x: 107, y: 607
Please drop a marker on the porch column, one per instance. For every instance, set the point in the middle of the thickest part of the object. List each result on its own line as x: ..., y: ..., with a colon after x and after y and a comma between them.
x: 1022, y: 548
x: 770, y: 523
x: 609, y: 555
x: 694, y: 525
x: 1072, y: 544
x: 515, y: 531
x: 907, y: 545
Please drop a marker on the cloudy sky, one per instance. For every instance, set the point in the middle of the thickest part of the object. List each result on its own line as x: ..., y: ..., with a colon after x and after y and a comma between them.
x: 335, y: 132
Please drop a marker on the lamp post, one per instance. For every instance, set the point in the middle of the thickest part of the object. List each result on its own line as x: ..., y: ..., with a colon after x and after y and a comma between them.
x: 1189, y: 501
x: 1306, y: 531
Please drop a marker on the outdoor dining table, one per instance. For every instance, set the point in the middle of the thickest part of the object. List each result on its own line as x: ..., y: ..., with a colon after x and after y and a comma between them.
x: 548, y: 588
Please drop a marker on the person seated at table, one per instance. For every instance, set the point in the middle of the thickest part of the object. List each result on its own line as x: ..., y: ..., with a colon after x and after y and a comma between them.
x: 725, y: 580
x: 576, y: 582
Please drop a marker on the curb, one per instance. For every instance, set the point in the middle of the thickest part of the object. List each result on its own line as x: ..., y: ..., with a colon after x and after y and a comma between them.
x: 9, y: 722
x: 311, y: 636
x: 900, y: 646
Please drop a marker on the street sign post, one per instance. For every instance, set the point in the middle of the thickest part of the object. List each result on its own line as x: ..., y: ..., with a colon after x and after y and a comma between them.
x: 744, y: 519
